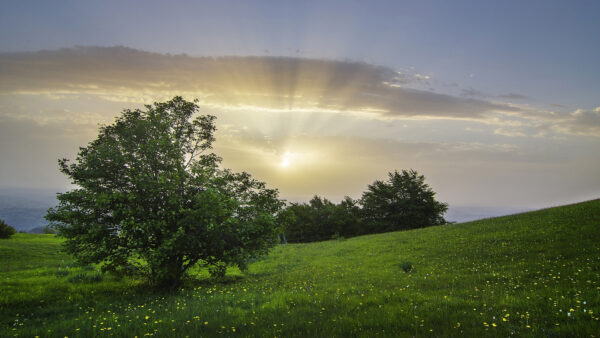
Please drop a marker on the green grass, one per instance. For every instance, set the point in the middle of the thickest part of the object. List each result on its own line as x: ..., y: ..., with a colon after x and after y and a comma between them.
x: 533, y: 274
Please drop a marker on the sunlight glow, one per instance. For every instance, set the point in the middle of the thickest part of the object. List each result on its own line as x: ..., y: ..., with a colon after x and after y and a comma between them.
x: 285, y: 161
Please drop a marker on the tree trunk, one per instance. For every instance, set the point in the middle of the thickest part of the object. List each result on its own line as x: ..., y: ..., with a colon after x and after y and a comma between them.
x: 168, y: 275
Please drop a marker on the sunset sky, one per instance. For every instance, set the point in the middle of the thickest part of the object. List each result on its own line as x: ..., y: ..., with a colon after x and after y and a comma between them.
x: 496, y: 103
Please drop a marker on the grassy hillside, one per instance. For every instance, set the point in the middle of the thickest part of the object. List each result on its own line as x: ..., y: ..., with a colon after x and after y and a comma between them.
x: 533, y: 274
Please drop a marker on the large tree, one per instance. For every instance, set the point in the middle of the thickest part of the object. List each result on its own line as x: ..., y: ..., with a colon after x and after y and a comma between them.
x: 150, y: 195
x: 402, y: 202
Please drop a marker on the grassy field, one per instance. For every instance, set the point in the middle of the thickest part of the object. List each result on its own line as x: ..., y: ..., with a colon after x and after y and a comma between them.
x: 533, y: 274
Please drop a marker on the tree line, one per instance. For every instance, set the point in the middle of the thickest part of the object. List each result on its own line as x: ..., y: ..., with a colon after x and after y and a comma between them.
x: 402, y: 202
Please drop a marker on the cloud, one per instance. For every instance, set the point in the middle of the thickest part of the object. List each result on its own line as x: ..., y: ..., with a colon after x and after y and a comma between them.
x: 579, y: 122
x: 278, y: 83
x: 510, y: 132
x: 120, y: 74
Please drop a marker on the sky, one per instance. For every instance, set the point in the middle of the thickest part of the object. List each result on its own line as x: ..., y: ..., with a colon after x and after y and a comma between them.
x: 496, y: 103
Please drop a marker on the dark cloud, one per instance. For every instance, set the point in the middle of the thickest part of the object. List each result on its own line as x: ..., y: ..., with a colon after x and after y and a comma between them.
x: 230, y: 82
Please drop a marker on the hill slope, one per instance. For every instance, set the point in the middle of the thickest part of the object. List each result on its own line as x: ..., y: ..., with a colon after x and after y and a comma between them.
x: 532, y: 274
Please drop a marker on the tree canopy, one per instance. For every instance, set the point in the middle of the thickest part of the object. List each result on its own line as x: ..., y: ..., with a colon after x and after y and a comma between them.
x: 321, y: 219
x: 151, y: 196
x: 402, y: 202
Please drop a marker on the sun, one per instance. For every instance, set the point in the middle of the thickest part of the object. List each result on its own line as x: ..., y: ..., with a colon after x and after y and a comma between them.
x: 286, y: 160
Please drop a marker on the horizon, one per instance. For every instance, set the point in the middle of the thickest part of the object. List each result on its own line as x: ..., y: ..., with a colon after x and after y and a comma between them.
x: 505, y: 114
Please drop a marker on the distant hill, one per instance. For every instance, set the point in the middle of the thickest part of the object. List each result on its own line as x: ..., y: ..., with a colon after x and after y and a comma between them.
x: 460, y: 214
x: 24, y: 209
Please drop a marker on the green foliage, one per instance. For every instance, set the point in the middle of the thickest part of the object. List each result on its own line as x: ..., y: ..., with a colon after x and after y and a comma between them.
x: 286, y: 219
x: 152, y: 196
x: 321, y: 219
x: 6, y: 230
x: 403, y: 202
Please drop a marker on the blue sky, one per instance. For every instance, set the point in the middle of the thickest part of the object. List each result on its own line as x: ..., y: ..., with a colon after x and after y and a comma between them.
x: 510, y: 87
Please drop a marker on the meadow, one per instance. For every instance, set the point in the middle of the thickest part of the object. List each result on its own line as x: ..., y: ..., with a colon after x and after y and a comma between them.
x: 532, y: 274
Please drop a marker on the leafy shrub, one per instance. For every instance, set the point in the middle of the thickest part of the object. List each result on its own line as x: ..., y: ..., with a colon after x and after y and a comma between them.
x: 407, y: 267
x: 6, y: 230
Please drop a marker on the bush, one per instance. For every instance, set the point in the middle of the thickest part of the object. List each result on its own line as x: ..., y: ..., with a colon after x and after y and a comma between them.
x: 407, y: 267
x: 6, y: 230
